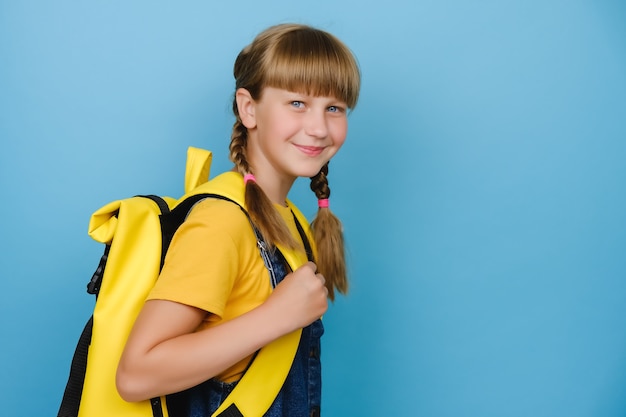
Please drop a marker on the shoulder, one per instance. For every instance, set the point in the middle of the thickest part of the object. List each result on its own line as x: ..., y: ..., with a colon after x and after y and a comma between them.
x: 221, y: 216
x: 216, y: 207
x: 215, y: 227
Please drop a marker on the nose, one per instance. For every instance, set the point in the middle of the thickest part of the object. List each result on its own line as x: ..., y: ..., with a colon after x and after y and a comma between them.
x: 316, y: 124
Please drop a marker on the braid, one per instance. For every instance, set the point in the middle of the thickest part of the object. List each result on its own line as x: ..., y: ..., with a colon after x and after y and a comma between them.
x: 319, y: 183
x: 328, y: 235
x: 237, y: 147
x: 262, y: 212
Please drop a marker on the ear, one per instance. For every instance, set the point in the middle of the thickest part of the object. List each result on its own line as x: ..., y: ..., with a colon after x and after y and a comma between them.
x: 246, y: 107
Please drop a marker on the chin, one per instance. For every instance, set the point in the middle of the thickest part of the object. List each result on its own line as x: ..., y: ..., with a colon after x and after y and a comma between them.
x: 308, y: 173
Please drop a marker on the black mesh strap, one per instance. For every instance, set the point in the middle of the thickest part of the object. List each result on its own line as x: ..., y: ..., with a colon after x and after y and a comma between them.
x: 231, y: 411
x: 157, y: 409
x: 305, y: 240
x: 74, y: 388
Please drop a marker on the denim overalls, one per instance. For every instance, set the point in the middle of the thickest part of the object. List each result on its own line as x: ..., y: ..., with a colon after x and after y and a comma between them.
x: 301, y: 393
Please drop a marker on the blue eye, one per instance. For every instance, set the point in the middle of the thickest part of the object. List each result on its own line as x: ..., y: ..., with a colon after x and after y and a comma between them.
x: 297, y: 104
x: 335, y: 109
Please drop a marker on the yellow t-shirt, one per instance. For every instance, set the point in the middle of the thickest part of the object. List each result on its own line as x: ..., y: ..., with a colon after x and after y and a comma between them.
x: 214, y: 264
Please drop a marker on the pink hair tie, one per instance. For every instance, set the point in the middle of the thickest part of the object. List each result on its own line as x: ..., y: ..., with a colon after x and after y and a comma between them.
x: 322, y: 203
x: 248, y: 177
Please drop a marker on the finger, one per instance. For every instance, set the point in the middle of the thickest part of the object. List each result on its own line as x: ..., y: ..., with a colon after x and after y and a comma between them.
x: 321, y: 277
x: 311, y: 265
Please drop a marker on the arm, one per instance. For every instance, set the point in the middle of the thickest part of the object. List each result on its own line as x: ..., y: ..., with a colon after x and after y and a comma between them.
x: 164, y: 354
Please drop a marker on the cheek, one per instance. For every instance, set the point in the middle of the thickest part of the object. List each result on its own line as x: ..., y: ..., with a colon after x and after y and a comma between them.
x: 339, y: 131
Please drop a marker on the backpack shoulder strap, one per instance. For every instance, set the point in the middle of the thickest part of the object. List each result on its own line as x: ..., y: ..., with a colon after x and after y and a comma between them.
x: 259, y: 386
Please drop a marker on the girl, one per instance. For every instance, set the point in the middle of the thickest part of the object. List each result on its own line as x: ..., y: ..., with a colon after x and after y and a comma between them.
x: 213, y: 306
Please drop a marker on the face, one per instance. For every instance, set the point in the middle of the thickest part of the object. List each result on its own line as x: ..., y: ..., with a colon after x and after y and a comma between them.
x: 292, y: 134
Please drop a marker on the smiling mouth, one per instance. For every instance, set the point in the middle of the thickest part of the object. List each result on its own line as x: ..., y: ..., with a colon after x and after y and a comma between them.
x: 310, y: 150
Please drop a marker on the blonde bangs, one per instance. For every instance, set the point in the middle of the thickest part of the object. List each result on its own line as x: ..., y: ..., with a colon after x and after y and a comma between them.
x: 313, y: 63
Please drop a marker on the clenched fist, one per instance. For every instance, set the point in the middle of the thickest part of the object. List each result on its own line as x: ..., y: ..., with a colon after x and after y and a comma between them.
x: 301, y: 297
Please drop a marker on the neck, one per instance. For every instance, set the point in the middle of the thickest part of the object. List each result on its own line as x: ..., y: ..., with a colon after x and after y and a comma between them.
x: 275, y: 188
x: 275, y: 183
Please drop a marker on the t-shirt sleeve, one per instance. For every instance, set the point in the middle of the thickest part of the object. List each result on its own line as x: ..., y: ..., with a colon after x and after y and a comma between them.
x: 202, y: 262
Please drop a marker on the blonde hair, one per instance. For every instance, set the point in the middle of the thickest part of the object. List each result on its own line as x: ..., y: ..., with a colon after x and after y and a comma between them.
x: 310, y: 61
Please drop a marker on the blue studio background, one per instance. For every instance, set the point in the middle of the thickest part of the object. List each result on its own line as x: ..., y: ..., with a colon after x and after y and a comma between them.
x: 482, y: 189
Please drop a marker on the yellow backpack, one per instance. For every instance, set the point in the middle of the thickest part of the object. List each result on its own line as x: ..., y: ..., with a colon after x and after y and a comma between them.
x: 136, y: 238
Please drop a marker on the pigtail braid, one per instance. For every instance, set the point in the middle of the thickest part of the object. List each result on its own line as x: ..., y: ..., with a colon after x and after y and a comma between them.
x: 237, y: 147
x: 264, y: 216
x: 328, y: 235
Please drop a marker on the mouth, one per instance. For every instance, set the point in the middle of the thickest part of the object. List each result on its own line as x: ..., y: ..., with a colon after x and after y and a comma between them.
x: 310, y: 150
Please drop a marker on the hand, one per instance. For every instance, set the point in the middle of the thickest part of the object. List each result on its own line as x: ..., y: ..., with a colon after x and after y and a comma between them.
x: 301, y: 297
